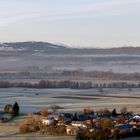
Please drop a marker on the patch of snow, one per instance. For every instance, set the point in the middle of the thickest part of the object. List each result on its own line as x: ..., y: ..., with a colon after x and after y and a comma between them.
x: 4, y: 48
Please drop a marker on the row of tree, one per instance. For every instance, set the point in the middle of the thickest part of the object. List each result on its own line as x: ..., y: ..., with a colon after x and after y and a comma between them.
x: 79, y: 74
x: 48, y: 84
x: 102, y: 75
x: 69, y: 84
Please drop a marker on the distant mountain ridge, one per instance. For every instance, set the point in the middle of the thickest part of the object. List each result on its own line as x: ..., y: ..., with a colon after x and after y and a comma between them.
x: 56, y: 48
x: 31, y: 45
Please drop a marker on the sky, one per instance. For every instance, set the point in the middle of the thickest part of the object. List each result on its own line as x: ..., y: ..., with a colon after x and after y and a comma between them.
x: 80, y: 23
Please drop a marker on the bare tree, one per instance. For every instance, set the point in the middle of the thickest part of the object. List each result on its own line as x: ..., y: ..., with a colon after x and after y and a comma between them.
x: 123, y: 110
x: 55, y: 108
x: 43, y: 112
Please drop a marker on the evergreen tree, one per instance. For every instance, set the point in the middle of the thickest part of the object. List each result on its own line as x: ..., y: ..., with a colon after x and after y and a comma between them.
x: 114, y: 113
x: 15, y: 109
x: 75, y: 117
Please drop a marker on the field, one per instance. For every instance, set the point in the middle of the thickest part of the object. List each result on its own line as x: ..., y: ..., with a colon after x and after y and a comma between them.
x: 31, y: 100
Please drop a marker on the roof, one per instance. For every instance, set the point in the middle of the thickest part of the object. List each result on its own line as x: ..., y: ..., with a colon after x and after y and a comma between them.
x: 123, y: 126
x: 52, y: 116
x: 136, y: 117
x: 77, y: 122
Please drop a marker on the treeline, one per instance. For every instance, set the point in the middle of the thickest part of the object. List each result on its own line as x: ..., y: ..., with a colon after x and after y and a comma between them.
x: 48, y: 84
x: 103, y: 75
x: 78, y: 74
x: 68, y: 84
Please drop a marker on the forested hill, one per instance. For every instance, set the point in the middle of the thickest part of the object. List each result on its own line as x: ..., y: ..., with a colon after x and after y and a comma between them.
x: 63, y: 49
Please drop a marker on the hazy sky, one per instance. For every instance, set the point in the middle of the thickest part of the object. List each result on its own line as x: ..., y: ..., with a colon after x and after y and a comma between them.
x: 73, y: 22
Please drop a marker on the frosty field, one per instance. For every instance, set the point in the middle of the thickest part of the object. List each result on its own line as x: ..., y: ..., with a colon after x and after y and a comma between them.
x: 31, y: 100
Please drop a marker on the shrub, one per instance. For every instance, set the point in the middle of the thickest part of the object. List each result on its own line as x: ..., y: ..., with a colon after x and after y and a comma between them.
x: 104, y: 124
x: 24, y: 128
x: 56, y: 130
x: 31, y: 124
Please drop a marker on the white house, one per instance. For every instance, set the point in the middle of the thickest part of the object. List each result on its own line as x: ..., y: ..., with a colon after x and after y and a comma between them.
x: 78, y: 124
x: 46, y: 121
x: 72, y: 130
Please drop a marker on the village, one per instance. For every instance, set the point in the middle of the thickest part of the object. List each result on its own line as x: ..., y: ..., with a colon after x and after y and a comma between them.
x: 85, y: 124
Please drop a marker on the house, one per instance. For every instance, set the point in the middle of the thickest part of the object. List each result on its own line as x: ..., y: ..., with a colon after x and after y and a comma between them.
x: 8, y: 108
x: 91, y: 122
x: 53, y: 116
x: 133, y: 123
x: 119, y: 119
x: 82, y: 117
x: 60, y: 122
x: 136, y: 118
x: 122, y: 127
x: 66, y: 117
x: 72, y: 130
x: 47, y: 121
x: 138, y: 124
x: 78, y: 124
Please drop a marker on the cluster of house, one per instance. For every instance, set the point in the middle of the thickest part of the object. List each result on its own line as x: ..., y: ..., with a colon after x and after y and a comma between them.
x: 124, y: 123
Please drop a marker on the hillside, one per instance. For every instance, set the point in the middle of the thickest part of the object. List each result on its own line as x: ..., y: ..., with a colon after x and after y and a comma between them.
x: 53, y: 48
